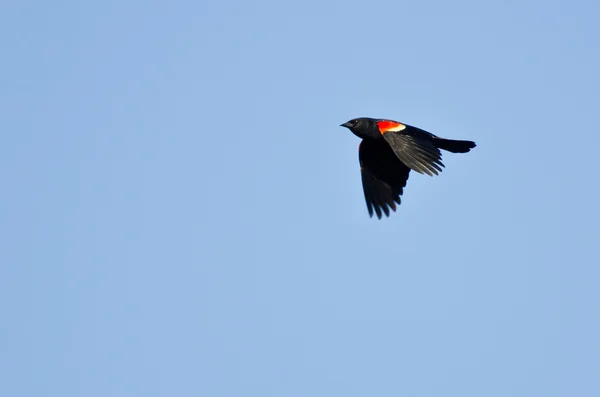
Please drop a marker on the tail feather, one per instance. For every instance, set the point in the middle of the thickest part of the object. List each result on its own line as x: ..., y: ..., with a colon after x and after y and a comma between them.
x: 454, y: 146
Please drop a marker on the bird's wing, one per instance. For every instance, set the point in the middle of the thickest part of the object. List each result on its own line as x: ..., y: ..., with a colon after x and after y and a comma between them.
x: 383, y: 176
x: 416, y: 149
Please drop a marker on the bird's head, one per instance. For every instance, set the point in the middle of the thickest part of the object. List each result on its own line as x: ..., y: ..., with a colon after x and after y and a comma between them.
x: 363, y: 127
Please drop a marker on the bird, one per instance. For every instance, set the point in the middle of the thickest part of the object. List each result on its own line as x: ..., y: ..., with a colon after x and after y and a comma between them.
x: 388, y: 151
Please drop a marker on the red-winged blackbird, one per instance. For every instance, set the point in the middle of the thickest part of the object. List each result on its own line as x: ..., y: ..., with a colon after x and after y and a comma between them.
x: 387, y: 153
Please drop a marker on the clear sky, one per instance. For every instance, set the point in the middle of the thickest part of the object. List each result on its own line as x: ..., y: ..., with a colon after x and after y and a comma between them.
x: 181, y: 214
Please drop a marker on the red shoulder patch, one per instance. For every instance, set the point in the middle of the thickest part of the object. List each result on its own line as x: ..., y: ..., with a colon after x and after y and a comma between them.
x: 389, y: 126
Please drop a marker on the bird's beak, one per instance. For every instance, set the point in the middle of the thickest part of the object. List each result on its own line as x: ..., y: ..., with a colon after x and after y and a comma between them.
x: 346, y: 124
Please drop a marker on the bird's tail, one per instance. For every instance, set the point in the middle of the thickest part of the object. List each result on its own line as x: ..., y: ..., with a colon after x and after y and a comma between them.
x: 454, y: 146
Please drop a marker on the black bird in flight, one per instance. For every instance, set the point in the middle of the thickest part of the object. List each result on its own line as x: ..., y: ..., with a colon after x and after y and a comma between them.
x: 387, y: 153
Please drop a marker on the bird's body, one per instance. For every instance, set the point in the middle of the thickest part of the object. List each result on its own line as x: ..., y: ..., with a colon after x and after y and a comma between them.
x: 388, y: 151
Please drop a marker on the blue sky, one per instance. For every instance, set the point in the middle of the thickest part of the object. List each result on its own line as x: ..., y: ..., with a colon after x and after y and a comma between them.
x: 183, y: 215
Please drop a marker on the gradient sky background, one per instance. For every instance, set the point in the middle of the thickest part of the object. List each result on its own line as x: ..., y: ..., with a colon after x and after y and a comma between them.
x: 182, y: 215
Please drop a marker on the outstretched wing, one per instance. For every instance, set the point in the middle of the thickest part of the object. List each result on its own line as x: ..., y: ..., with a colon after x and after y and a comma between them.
x: 383, y: 176
x: 415, y: 147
